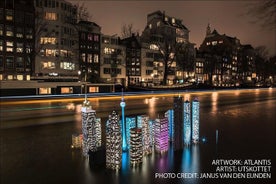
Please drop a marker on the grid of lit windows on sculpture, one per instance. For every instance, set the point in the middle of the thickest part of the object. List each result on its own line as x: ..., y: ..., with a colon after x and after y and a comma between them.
x: 170, y: 115
x: 136, y: 147
x: 187, y: 123
x: 91, y: 128
x: 130, y: 123
x: 151, y: 130
x: 113, y: 142
x: 195, y: 121
x: 76, y: 141
x: 143, y: 121
x: 161, y: 135
x: 98, y: 130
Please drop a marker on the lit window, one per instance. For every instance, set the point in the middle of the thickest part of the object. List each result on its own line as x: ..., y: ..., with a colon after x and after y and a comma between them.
x: 64, y: 53
x: 96, y: 38
x: 28, y: 48
x: 50, y: 16
x: 89, y: 58
x: 44, y: 91
x: 51, y: 52
x: 108, y: 50
x: 9, y: 31
x: 19, y: 77
x: 96, y: 58
x: 158, y: 23
x: 90, y: 37
x: 150, y: 26
x: 83, y: 57
x: 9, y: 47
x: 1, y: 45
x: 153, y: 47
x: 214, y: 42
x: 67, y: 66
x: 221, y: 41
x: 48, y: 40
x: 208, y: 43
x: 9, y: 15
x: 66, y: 90
x: 47, y: 65
x: 173, y: 20
x: 166, y: 19
x: 19, y: 47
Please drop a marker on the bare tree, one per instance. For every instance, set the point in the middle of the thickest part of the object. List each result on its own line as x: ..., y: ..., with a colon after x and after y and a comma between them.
x: 128, y: 30
x: 82, y: 12
x: 263, y: 12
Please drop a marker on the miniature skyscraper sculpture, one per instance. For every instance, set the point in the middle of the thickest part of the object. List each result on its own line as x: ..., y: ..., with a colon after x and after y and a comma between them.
x: 144, y: 121
x: 91, y: 128
x: 130, y: 123
x: 136, y: 147
x: 178, y: 122
x: 195, y: 121
x: 113, y: 142
x: 187, y: 123
x: 161, y: 135
x: 170, y: 115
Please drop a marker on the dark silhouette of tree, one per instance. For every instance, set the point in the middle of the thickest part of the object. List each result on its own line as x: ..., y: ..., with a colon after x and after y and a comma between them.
x: 82, y: 12
x: 263, y: 12
x: 127, y: 30
x: 261, y: 58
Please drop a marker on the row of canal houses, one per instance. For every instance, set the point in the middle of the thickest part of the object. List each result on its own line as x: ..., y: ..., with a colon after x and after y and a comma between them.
x: 46, y: 41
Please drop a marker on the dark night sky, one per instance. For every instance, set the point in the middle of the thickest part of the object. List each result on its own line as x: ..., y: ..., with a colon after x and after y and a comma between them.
x: 227, y: 17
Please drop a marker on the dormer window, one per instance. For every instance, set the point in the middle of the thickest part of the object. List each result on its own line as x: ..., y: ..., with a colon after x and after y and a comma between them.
x: 173, y: 20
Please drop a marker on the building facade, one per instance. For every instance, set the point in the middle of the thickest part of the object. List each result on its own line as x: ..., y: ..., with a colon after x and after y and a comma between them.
x: 56, y: 53
x: 113, y: 67
x: 220, y: 53
x: 16, y: 39
x: 89, y: 51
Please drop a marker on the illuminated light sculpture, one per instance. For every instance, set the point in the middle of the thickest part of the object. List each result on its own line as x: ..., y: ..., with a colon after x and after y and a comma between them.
x: 76, y: 141
x: 113, y: 142
x: 178, y: 123
x: 161, y: 135
x: 187, y: 123
x: 151, y: 131
x: 130, y: 123
x: 170, y: 115
x: 98, y: 130
x: 195, y: 121
x: 124, y: 142
x: 91, y: 128
x: 136, y: 147
x: 143, y: 120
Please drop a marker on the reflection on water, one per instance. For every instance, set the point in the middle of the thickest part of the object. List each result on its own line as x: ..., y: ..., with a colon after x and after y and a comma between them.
x: 214, y: 102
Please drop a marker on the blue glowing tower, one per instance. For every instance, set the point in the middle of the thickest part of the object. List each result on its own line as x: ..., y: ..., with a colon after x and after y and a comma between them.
x: 187, y: 123
x: 123, y: 104
x: 170, y: 116
x: 130, y: 123
x: 195, y: 121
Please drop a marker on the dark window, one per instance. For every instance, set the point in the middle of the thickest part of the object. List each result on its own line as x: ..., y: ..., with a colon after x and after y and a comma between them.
x: 106, y: 70
x: 9, y: 62
x: 1, y: 61
x: 19, y: 62
x: 1, y: 14
x: 19, y: 17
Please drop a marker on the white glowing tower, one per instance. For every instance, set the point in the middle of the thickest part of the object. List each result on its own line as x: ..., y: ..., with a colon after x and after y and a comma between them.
x: 91, y: 128
x: 195, y: 121
x: 170, y: 115
x: 136, y: 147
x: 144, y: 121
x: 113, y: 142
x: 187, y: 123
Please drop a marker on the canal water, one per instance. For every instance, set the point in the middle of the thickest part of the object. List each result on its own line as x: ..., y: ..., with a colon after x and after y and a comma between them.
x: 244, y: 119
